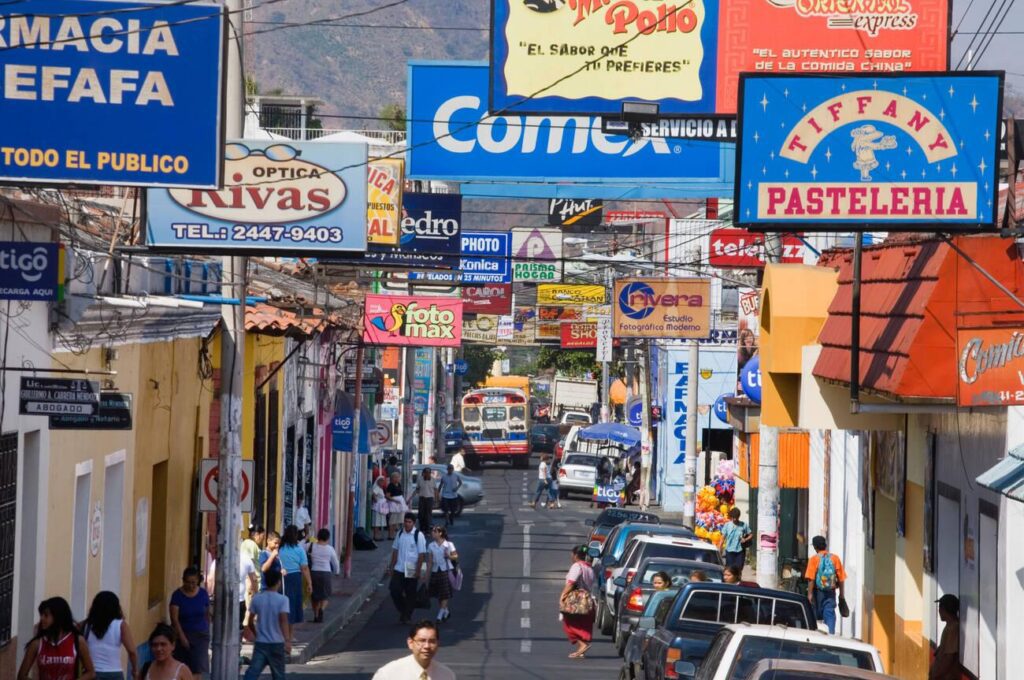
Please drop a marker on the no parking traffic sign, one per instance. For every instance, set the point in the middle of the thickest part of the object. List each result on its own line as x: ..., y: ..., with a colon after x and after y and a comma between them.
x: 209, y: 472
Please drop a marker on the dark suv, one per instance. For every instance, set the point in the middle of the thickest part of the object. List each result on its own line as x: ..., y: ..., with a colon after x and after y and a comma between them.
x: 543, y: 438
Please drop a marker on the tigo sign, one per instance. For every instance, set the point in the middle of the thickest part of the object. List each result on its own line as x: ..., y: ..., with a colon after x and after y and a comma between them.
x: 97, y: 91
x: 385, y: 177
x: 741, y: 248
x: 877, y: 152
x: 662, y: 308
x: 31, y: 271
x: 406, y: 320
x: 279, y: 197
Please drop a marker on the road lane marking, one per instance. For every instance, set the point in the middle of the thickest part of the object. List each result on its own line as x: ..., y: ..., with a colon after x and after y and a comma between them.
x: 525, y: 604
x: 525, y: 646
x: 524, y: 622
x: 526, y: 550
x: 526, y: 587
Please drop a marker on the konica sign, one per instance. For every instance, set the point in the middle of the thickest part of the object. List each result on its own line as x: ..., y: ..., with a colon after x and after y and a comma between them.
x: 29, y: 271
x: 109, y: 92
x: 453, y: 137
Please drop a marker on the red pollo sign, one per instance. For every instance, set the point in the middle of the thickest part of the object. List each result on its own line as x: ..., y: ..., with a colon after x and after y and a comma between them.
x: 742, y: 248
x: 492, y: 298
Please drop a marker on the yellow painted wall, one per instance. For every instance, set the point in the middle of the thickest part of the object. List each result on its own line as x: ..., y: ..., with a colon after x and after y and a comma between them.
x: 170, y: 412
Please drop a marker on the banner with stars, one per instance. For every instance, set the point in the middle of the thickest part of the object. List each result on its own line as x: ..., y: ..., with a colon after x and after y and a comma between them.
x: 876, y: 152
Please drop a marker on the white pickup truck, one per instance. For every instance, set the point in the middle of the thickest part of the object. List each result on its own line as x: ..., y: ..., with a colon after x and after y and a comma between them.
x: 572, y: 399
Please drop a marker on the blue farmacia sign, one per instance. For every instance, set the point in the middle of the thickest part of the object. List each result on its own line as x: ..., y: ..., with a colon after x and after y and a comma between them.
x: 872, y: 152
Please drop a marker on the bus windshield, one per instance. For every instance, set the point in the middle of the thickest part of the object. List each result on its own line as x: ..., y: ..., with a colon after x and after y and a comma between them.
x: 470, y: 414
x: 494, y: 414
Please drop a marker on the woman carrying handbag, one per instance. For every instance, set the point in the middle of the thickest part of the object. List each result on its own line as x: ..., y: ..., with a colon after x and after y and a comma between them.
x: 576, y: 604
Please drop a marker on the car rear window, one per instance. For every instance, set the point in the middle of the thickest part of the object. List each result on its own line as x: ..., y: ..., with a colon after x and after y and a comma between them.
x: 679, y: 552
x: 742, y: 608
x: 578, y: 459
x: 753, y: 648
x: 680, y: 573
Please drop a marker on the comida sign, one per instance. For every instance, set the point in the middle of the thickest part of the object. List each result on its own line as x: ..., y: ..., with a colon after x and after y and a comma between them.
x: 873, y: 152
x: 407, y: 320
x: 132, y: 92
x: 990, y: 367
x: 662, y: 308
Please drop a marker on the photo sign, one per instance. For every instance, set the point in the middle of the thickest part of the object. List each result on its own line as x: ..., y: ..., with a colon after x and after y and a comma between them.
x: 281, y: 197
x: 662, y: 308
x: 537, y: 255
x: 486, y: 257
x: 107, y: 92
x: 990, y: 362
x: 868, y: 153
x: 407, y: 320
x: 581, y: 56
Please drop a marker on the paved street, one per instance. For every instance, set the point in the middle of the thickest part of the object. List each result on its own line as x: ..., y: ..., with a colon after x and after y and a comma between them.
x: 505, y: 621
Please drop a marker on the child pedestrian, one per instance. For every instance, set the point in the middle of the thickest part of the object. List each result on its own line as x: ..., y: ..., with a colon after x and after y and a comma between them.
x: 441, y: 564
x: 58, y: 648
x: 323, y: 564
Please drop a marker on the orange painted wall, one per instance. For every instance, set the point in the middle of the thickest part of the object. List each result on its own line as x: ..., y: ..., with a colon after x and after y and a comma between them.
x: 794, y: 459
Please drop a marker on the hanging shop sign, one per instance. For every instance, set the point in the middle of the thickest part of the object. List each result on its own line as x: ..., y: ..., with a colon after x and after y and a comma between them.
x: 495, y: 298
x: 586, y: 57
x: 568, y: 212
x: 566, y: 294
x: 604, y: 339
x: 868, y: 153
x: 990, y: 363
x: 739, y: 248
x: 482, y: 329
x: 31, y: 271
x: 385, y: 178
x: 407, y: 320
x: 57, y: 396
x: 294, y: 197
x: 209, y: 475
x: 662, y: 308
x: 506, y: 328
x: 486, y: 257
x: 431, y: 233
x: 113, y: 413
x: 550, y: 320
x: 524, y: 320
x: 423, y: 375
x: 452, y: 137
x: 537, y: 255
x: 132, y: 92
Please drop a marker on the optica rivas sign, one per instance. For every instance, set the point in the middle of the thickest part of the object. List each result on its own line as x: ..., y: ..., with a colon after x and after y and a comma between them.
x: 870, y: 152
x: 102, y: 91
x: 452, y: 137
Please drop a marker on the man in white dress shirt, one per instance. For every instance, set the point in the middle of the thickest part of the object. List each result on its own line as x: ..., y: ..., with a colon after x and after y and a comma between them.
x: 420, y: 665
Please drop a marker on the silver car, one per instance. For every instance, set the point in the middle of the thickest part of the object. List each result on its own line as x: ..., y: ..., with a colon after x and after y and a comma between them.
x: 577, y: 473
x: 470, y: 493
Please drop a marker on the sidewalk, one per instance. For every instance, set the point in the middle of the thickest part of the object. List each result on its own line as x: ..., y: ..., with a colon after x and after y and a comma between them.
x: 347, y: 599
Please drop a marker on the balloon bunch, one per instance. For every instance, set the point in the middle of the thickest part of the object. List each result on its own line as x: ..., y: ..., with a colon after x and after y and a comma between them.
x: 714, y: 502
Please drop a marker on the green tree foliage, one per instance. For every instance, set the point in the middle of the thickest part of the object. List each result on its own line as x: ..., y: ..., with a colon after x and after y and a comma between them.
x: 574, y: 364
x: 480, y: 359
x: 393, y: 116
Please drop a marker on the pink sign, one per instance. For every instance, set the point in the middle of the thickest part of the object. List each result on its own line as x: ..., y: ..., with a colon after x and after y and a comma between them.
x: 417, y: 321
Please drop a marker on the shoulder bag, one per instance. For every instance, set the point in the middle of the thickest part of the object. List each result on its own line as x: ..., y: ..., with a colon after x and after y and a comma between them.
x: 577, y: 602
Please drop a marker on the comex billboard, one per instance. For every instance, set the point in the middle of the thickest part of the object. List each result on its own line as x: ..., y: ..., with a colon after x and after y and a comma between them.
x: 587, y: 56
x: 417, y: 321
x: 872, y: 152
x: 284, y: 197
x: 452, y: 137
x: 107, y: 92
x: 662, y: 308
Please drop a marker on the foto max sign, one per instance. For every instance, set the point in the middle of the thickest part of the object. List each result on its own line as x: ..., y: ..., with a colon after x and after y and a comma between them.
x: 108, y: 92
x: 278, y: 197
x: 662, y: 308
x: 407, y: 320
x: 990, y: 362
x: 871, y: 152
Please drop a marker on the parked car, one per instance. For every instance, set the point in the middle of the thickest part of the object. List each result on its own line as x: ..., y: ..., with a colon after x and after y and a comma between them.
x: 613, y: 517
x: 737, y: 649
x: 700, y: 610
x: 470, y: 493
x: 576, y: 418
x: 643, y: 547
x: 791, y: 669
x: 653, y: 615
x: 577, y: 474
x: 453, y: 438
x: 637, y: 589
x: 543, y: 438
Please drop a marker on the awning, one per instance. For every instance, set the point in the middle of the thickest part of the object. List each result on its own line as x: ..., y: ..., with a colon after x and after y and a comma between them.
x: 341, y: 425
x: 1006, y: 476
x: 611, y: 432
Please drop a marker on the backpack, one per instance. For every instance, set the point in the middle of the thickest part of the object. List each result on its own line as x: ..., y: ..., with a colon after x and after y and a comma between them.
x: 825, y: 578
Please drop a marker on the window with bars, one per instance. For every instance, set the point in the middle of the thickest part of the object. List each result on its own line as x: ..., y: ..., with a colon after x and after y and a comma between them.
x: 8, y: 503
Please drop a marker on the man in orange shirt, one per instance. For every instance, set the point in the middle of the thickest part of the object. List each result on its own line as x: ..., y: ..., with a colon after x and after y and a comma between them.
x: 826, y: 576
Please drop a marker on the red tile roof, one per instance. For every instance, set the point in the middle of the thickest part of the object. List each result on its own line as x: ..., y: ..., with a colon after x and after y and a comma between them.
x: 261, y: 318
x: 913, y: 295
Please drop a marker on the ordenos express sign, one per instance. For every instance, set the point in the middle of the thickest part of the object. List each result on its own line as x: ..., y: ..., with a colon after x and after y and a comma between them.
x: 286, y: 197
x: 109, y: 92
x: 871, y: 152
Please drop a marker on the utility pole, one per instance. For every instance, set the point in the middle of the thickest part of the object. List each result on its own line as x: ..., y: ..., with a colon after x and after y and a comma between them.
x: 357, y: 407
x: 768, y: 475
x: 690, y: 464
x: 226, y: 641
x: 645, y: 425
x: 605, y: 378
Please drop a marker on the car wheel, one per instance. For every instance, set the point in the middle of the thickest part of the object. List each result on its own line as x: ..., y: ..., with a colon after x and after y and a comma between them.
x: 607, y: 622
x: 459, y: 504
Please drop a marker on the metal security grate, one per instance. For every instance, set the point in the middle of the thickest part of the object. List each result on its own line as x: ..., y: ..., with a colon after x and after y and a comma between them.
x: 8, y: 498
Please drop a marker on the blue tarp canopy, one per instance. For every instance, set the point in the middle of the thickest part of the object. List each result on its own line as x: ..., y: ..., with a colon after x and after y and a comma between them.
x: 341, y: 425
x: 616, y: 433
x: 1006, y: 476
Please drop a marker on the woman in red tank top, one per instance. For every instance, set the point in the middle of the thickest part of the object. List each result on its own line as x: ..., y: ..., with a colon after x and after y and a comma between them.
x: 58, y: 651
